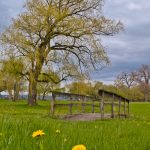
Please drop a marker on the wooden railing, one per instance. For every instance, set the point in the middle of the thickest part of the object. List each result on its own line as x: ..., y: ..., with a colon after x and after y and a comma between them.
x: 74, y: 97
x: 105, y: 98
x: 112, y: 97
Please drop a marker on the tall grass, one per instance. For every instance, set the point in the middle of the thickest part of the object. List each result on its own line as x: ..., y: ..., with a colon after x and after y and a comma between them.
x: 18, y: 121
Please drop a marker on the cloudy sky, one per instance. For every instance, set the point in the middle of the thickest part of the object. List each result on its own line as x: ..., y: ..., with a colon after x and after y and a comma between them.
x: 127, y: 50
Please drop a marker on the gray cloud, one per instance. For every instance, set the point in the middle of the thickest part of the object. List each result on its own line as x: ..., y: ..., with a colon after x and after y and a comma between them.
x: 8, y: 10
x: 131, y: 48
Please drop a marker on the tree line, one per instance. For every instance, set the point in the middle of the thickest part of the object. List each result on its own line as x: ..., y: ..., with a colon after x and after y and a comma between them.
x: 134, y: 85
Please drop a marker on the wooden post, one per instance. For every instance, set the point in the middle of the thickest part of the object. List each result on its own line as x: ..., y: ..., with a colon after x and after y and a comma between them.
x: 119, y: 109
x: 92, y: 105
x: 82, y: 104
x: 112, y: 108
x: 128, y: 108
x: 125, y: 107
x: 70, y: 106
x: 53, y: 103
x: 102, y: 106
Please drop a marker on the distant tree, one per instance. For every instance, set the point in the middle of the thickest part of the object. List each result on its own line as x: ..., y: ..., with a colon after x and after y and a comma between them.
x: 124, y: 82
x: 135, y: 85
x: 10, y: 75
x: 44, y: 88
x: 62, y: 33
x: 110, y: 88
x: 97, y: 86
x: 2, y: 82
x: 126, y: 79
x: 80, y: 87
x: 47, y: 83
x: 143, y: 79
x: 136, y: 94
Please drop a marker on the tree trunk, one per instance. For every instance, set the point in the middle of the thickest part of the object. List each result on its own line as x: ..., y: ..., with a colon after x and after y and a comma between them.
x: 32, y: 95
x: 146, y: 97
x: 43, y: 96
x: 16, y: 91
x: 33, y: 76
x: 15, y: 87
x: 10, y: 94
x: 39, y: 97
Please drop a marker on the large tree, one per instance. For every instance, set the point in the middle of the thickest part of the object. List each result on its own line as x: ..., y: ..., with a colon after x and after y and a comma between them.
x: 64, y: 34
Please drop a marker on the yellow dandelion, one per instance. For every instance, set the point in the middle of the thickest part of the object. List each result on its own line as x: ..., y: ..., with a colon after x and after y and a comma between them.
x: 79, y: 147
x: 57, y: 131
x: 38, y: 133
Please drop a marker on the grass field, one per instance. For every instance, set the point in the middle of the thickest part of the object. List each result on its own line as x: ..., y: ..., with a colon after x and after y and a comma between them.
x: 18, y: 121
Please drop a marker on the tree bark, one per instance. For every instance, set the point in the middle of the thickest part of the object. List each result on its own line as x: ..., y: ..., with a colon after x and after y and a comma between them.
x: 33, y: 80
x: 10, y: 94
x: 16, y: 91
x: 34, y: 74
x: 32, y: 95
x: 146, y: 97
x: 43, y: 96
x: 39, y: 97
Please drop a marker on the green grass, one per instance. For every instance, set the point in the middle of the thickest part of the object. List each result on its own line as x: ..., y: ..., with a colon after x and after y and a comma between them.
x: 18, y: 121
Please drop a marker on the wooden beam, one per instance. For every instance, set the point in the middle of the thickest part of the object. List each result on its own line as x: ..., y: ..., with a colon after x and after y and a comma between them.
x: 102, y: 106
x: 125, y: 107
x: 128, y: 108
x: 112, y: 107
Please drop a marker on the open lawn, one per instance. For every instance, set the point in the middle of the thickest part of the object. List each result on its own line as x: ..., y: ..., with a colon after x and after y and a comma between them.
x: 18, y: 121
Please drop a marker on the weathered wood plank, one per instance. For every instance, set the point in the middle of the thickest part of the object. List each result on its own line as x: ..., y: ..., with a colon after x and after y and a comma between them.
x: 125, y: 107
x: 112, y: 107
x: 82, y: 102
x: 102, y: 106
x: 111, y: 94
x: 128, y: 108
